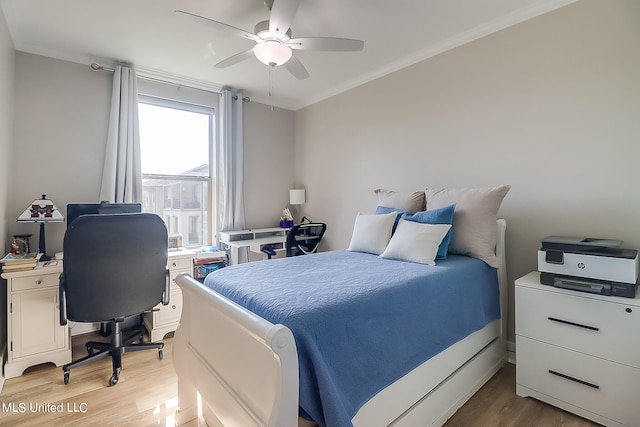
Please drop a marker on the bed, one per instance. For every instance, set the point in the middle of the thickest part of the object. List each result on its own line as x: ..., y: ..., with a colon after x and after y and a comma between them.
x: 232, y: 347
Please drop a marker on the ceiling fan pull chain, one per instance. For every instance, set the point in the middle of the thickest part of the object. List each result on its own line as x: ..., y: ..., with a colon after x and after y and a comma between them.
x: 271, y: 84
x: 270, y: 81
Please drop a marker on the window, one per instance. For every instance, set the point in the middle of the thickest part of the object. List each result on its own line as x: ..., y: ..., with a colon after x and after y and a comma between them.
x: 176, y: 146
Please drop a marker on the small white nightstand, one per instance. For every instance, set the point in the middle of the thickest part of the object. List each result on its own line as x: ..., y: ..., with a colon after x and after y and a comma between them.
x: 578, y: 351
x: 166, y: 318
x: 34, y: 333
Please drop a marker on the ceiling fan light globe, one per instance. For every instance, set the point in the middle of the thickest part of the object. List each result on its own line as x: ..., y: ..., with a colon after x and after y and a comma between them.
x: 272, y: 53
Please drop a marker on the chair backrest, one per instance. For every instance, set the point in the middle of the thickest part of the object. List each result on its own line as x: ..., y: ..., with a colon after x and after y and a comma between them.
x: 114, y: 265
x: 303, y: 239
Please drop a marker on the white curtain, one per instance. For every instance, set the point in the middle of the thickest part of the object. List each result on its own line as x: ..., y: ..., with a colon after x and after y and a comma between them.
x: 122, y: 175
x: 229, y: 168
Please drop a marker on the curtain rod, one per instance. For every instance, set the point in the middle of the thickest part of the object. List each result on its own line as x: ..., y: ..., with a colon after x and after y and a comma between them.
x: 97, y: 67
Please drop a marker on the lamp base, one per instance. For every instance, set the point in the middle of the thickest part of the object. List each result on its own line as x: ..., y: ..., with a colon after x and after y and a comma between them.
x: 42, y: 245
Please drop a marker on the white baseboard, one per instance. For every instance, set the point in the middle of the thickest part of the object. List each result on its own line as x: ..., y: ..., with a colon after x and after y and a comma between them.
x: 79, y: 328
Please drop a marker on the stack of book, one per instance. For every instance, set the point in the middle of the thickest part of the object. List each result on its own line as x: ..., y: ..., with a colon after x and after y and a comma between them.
x: 19, y: 262
x: 206, y: 260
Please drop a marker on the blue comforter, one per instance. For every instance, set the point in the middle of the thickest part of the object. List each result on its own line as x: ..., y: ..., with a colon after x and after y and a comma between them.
x: 361, y: 322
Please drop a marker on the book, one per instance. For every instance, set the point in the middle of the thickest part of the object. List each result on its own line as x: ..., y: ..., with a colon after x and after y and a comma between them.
x: 15, y: 259
x: 15, y: 268
x: 212, y: 260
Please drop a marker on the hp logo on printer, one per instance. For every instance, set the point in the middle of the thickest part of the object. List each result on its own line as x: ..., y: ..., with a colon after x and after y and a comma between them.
x: 581, y: 265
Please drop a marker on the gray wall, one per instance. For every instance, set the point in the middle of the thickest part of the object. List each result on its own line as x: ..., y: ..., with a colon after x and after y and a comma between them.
x: 268, y: 162
x: 61, y: 114
x: 550, y: 106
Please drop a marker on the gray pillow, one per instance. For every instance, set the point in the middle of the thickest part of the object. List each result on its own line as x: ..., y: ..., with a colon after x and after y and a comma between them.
x: 474, y: 219
x: 410, y: 202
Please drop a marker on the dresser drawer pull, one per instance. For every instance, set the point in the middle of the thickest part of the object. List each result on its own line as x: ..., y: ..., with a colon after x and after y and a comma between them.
x: 566, y: 322
x: 597, y: 387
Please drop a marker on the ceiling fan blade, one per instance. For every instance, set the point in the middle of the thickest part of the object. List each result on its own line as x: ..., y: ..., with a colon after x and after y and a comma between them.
x: 232, y: 60
x: 326, y: 44
x: 217, y: 25
x: 295, y: 67
x: 282, y: 13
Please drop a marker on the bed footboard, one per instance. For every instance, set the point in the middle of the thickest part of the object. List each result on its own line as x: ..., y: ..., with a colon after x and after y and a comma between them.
x: 244, y: 367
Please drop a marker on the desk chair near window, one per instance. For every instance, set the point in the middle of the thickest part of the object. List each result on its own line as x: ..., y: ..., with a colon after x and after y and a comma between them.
x: 115, y: 266
x: 302, y: 239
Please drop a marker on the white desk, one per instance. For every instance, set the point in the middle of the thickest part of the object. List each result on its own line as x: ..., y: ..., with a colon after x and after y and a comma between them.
x: 254, y: 239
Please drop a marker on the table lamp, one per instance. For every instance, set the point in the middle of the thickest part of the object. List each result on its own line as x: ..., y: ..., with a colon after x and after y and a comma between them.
x: 296, y: 197
x: 42, y: 211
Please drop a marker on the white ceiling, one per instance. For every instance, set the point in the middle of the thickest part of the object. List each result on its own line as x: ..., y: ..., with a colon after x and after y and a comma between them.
x: 161, y: 44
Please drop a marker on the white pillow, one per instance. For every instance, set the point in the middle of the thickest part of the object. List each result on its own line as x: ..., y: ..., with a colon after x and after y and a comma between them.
x: 371, y: 233
x: 416, y: 242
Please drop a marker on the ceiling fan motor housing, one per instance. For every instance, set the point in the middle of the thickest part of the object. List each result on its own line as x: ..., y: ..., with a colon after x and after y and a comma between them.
x: 262, y: 30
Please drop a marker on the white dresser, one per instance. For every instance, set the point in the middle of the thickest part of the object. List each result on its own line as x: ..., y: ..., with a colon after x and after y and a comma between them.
x: 578, y: 351
x: 34, y: 333
x: 166, y: 317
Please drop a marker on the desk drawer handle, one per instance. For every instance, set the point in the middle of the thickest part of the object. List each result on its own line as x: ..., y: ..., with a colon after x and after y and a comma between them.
x: 566, y: 322
x: 597, y: 387
x: 38, y: 282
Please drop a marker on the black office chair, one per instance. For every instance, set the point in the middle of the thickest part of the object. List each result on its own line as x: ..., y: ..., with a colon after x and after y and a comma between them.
x: 115, y: 267
x: 304, y: 239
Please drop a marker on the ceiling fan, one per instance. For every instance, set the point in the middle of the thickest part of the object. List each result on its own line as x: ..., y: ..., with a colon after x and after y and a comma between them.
x: 274, y: 42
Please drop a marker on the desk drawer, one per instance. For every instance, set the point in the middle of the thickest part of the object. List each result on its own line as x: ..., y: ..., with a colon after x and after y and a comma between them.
x: 597, y: 327
x: 179, y: 262
x: 34, y: 282
x: 593, y: 384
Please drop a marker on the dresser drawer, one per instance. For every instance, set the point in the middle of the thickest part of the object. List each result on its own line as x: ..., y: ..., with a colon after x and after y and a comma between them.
x: 595, y: 385
x: 593, y: 326
x: 170, y: 313
x: 34, y: 282
x: 174, y: 273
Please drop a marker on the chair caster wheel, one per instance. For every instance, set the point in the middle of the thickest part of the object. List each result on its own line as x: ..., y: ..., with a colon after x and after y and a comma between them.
x: 66, y: 377
x: 160, y: 356
x: 113, y: 380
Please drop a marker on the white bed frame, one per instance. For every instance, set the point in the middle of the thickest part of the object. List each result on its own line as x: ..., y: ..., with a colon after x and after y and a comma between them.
x: 246, y: 368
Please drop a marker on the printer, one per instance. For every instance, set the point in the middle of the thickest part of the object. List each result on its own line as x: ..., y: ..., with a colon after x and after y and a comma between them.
x: 593, y: 265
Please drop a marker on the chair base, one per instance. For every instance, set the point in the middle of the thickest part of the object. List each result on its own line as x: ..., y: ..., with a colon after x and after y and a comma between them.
x: 113, y: 349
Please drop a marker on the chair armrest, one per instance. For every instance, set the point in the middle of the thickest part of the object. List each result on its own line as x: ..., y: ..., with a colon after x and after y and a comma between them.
x: 62, y: 300
x: 167, y: 288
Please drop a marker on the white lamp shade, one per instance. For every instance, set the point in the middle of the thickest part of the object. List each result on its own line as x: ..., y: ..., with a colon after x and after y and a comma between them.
x: 272, y: 53
x: 296, y: 197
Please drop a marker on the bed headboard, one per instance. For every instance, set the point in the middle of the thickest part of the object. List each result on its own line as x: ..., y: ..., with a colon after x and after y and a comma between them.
x: 502, y: 275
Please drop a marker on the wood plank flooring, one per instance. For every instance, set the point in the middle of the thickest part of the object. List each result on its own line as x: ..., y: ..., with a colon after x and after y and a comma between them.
x: 146, y: 395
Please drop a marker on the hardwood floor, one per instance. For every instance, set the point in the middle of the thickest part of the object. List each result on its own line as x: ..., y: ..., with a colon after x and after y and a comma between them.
x: 146, y: 395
